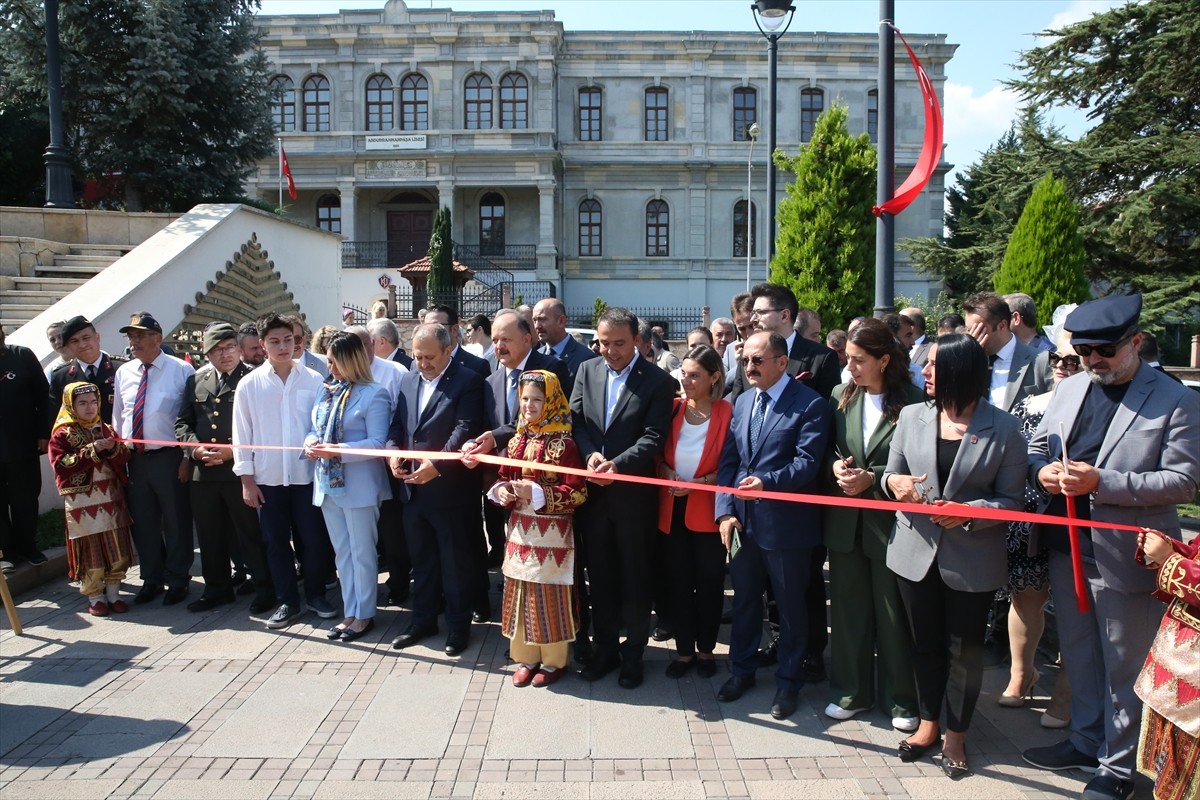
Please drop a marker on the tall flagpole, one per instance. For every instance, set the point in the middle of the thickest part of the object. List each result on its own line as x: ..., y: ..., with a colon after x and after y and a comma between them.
x: 279, y: 147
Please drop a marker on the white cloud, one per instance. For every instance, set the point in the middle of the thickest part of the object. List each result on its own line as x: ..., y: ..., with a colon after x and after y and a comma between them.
x: 1078, y: 11
x: 975, y: 121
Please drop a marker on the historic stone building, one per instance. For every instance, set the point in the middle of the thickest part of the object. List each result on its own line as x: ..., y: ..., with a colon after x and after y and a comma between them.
x: 610, y: 164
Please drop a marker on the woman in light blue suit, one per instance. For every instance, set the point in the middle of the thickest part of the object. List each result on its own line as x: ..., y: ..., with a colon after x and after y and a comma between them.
x: 963, y: 450
x: 352, y: 412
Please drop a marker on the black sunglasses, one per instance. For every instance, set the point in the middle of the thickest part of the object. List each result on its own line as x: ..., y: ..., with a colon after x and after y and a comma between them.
x: 755, y: 360
x: 1070, y: 363
x: 1102, y: 350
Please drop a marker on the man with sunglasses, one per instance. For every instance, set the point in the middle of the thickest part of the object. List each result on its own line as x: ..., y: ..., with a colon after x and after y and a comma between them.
x: 1133, y: 443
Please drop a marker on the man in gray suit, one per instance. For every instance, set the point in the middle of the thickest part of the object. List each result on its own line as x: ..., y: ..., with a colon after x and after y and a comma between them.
x: 1012, y: 372
x: 1133, y: 439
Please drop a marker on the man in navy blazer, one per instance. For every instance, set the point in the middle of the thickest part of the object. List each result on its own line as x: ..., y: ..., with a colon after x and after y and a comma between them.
x: 440, y: 409
x: 448, y: 317
x: 776, y: 443
x: 550, y: 323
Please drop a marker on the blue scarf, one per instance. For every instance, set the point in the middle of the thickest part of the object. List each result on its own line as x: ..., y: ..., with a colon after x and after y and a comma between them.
x: 331, y: 473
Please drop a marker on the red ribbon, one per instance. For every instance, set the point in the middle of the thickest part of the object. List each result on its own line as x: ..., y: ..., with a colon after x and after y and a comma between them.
x: 931, y: 147
x: 1081, y: 596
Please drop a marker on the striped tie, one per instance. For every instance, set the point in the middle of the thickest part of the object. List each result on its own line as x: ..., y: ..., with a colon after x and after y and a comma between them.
x: 139, y: 407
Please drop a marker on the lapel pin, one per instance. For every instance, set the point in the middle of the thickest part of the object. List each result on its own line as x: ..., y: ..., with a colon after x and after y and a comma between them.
x: 974, y: 439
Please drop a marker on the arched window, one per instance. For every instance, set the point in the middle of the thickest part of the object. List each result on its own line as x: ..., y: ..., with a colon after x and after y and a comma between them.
x: 381, y: 107
x: 656, y: 114
x: 745, y: 112
x: 873, y: 114
x: 283, y: 103
x: 812, y: 103
x: 491, y: 225
x: 477, y: 101
x: 329, y: 213
x: 589, y: 227
x: 740, y: 230
x: 316, y: 103
x: 514, y: 101
x: 414, y: 103
x: 591, y: 112
x: 658, y: 228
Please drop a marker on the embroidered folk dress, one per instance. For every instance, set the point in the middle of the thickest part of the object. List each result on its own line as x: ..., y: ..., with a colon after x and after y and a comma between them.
x: 1169, y: 684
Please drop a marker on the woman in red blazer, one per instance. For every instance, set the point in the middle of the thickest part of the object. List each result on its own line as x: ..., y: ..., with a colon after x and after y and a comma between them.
x: 693, y: 556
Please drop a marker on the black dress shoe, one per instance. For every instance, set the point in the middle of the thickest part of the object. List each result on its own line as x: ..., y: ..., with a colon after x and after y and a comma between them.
x: 600, y: 666
x: 785, y: 703
x: 395, y: 598
x: 735, y: 687
x: 911, y: 752
x: 632, y: 674
x: 662, y: 634
x: 412, y: 634
x: 583, y: 651
x: 955, y: 770
x: 174, y: 595
x: 336, y: 632
x: 349, y: 634
x: 148, y: 592
x: 812, y: 669
x: 35, y: 557
x: 206, y: 603
x: 481, y: 615
x: 706, y: 667
x: 237, y: 578
x: 1107, y: 787
x: 678, y: 668
x: 769, y: 655
x: 247, y: 588
x: 457, y: 641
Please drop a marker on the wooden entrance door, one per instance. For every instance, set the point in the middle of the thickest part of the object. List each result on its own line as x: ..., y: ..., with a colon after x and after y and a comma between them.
x: 408, y: 236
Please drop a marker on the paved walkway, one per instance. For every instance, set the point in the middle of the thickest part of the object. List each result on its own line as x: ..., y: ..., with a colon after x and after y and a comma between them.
x: 162, y: 703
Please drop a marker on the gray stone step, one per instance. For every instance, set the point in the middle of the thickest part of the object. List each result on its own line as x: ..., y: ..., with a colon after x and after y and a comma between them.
x: 47, y: 297
x: 98, y: 262
x: 106, y: 250
x: 80, y: 273
x: 65, y: 285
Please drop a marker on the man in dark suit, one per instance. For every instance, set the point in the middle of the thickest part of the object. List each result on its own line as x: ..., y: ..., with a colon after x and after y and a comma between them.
x: 439, y: 408
x: 24, y: 436
x: 224, y: 523
x: 1013, y: 374
x: 90, y: 364
x: 550, y: 323
x: 448, y: 318
x: 621, y: 406
x: 774, y: 309
x: 776, y: 443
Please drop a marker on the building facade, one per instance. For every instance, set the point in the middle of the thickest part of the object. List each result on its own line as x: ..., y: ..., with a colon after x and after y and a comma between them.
x: 607, y: 164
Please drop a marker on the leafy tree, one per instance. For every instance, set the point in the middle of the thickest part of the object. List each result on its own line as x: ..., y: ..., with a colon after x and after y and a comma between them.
x: 171, y: 95
x: 826, y: 243
x: 1045, y: 256
x: 441, y: 287
x: 598, y: 309
x: 1136, y: 173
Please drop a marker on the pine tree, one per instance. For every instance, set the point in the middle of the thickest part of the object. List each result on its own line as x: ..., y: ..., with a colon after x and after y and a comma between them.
x: 826, y: 243
x: 1045, y: 257
x: 441, y: 287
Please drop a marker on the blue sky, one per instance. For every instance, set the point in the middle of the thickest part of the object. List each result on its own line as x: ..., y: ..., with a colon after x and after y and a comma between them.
x: 989, y: 33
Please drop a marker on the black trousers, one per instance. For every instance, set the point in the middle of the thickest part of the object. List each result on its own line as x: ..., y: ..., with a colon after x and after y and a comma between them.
x: 390, y: 528
x: 225, y: 524
x: 948, y: 628
x: 815, y: 600
x: 694, y: 564
x: 162, y: 517
x: 20, y: 485
x: 443, y: 544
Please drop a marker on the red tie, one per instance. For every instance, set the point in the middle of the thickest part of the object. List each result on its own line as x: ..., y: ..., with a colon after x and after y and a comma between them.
x: 139, y: 407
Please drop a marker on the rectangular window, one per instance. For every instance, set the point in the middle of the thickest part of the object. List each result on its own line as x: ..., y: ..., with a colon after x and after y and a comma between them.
x: 656, y: 114
x: 745, y: 112
x: 590, y: 112
x: 812, y: 103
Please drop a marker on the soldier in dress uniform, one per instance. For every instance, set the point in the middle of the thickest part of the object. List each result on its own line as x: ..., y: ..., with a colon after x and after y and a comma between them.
x: 89, y: 363
x: 225, y: 525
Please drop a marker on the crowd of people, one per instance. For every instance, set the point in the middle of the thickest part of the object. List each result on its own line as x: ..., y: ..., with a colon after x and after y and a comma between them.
x: 301, y: 470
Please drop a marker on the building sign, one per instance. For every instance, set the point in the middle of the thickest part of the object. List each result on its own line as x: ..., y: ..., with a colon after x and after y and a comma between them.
x: 394, y: 168
x: 396, y: 141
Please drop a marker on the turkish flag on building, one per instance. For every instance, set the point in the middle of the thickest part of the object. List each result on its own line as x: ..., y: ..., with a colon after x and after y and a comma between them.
x: 287, y: 172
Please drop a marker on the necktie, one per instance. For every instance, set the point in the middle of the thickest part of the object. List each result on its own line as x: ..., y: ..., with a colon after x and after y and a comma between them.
x: 756, y: 419
x: 222, y: 382
x: 992, y: 369
x: 547, y: 350
x: 514, y: 376
x: 139, y: 407
x: 91, y: 373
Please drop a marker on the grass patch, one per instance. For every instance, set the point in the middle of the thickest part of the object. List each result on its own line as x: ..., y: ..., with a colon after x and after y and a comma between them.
x: 51, y: 529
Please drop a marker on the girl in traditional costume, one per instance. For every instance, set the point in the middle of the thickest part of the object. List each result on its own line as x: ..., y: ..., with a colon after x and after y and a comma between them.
x: 539, y: 558
x: 89, y: 471
x: 1169, y: 747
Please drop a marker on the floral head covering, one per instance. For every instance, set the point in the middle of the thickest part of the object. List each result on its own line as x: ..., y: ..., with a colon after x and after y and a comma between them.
x: 556, y: 415
x: 66, y: 414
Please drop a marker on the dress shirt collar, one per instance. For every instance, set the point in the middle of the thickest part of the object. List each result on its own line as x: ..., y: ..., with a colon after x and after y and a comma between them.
x: 775, y: 391
x: 1005, y: 354
x: 612, y: 373
x: 790, y: 341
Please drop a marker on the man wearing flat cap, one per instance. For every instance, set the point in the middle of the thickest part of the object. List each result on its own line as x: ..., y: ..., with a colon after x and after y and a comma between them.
x: 1133, y: 440
x: 149, y: 393
x: 89, y: 363
x: 224, y: 523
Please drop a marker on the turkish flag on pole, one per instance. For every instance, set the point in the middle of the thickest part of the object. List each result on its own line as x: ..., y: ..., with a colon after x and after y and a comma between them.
x: 286, y: 171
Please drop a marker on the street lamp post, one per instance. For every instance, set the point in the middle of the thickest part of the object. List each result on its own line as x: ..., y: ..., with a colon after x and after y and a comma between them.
x: 59, y: 193
x: 770, y: 16
x: 753, y: 132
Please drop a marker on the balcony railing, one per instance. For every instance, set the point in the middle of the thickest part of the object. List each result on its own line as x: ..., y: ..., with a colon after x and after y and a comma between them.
x: 383, y: 255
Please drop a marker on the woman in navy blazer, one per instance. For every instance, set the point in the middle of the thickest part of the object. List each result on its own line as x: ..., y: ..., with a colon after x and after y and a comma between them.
x: 960, y: 449
x: 351, y: 413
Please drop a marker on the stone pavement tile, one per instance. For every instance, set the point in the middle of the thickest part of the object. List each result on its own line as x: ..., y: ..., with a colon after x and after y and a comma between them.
x: 973, y: 786
x: 648, y: 722
x: 576, y: 790
x: 56, y: 790
x: 177, y: 789
x: 146, y: 718
x: 789, y: 790
x: 297, y: 704
x: 39, y: 698
x: 411, y: 716
x: 534, y: 723
x: 649, y: 790
x: 245, y: 642
x: 378, y: 790
x: 754, y: 734
x: 125, y: 638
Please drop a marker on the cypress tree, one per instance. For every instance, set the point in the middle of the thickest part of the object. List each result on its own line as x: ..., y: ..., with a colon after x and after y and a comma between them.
x: 441, y: 287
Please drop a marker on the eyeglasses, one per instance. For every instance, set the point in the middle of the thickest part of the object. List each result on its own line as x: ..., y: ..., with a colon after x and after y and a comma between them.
x: 1069, y: 363
x: 762, y: 312
x: 755, y: 360
x: 1102, y: 350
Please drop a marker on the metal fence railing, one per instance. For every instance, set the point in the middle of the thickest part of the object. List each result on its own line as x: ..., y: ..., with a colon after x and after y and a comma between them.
x: 676, y: 322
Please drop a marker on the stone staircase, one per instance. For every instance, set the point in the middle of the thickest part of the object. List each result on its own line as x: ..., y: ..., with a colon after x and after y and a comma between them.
x: 27, y: 296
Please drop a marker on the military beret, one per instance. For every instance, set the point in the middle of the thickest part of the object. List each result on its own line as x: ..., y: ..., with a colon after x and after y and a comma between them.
x: 216, y: 333
x: 73, y: 326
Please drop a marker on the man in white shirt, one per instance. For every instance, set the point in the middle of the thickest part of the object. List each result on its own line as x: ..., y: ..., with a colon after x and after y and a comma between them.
x: 387, y: 373
x: 149, y: 391
x: 273, y: 407
x: 1012, y: 374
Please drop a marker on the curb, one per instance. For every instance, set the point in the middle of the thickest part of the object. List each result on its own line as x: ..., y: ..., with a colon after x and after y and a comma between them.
x: 28, y: 577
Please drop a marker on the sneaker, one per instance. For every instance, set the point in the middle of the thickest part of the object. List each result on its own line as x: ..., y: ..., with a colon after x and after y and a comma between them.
x: 284, y: 615
x: 323, y: 608
x: 1107, y: 787
x: 7, y: 567
x: 834, y: 711
x: 1060, y: 756
x: 36, y: 557
x: 906, y: 724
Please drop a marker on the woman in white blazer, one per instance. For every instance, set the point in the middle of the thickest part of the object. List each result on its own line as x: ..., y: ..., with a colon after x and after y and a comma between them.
x: 351, y: 412
x: 964, y: 450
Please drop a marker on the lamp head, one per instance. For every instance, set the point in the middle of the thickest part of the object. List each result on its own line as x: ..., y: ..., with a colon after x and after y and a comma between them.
x: 754, y: 130
x: 772, y: 14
